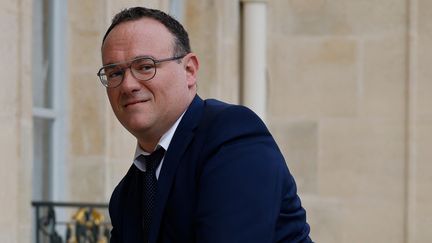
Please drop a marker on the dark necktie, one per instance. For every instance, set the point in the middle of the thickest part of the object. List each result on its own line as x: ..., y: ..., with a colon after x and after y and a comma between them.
x: 150, y: 186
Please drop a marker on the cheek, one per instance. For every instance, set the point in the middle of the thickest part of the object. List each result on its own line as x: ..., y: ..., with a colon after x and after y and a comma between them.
x: 168, y: 86
x: 171, y: 92
x: 112, y: 97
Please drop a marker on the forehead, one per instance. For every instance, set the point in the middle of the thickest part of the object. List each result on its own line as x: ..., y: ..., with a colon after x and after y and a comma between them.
x: 143, y: 37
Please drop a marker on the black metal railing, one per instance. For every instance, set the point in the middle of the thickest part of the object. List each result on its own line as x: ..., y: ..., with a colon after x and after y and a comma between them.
x: 66, y: 222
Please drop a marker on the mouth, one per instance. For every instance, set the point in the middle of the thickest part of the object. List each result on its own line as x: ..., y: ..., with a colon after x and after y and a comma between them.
x: 131, y: 103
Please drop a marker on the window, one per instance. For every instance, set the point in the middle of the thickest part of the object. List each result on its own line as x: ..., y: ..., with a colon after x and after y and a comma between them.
x: 49, y: 99
x: 176, y: 9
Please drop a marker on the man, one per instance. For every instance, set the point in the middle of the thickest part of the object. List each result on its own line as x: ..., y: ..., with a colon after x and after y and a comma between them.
x: 222, y: 178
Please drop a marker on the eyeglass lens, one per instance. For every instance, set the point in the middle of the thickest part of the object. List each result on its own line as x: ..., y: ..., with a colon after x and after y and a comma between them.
x: 142, y: 69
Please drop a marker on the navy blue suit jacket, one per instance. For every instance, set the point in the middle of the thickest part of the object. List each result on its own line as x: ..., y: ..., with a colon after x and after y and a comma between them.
x: 223, y: 180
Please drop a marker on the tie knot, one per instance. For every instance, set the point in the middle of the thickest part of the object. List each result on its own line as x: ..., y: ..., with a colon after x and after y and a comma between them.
x: 152, y: 160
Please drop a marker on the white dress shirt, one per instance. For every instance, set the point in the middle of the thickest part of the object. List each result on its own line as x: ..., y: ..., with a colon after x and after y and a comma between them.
x: 164, y: 142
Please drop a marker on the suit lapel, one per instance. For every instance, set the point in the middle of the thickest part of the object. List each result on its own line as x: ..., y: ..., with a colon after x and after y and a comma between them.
x: 181, y: 139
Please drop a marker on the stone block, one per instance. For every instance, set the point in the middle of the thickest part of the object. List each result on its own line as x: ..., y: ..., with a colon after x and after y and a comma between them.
x: 352, y: 150
x: 384, y: 72
x: 424, y: 18
x: 298, y: 142
x: 86, y: 16
x: 370, y: 219
x: 201, y: 21
x: 422, y: 87
x: 374, y: 17
x: 25, y: 221
x: 9, y: 62
x: 116, y: 6
x: 9, y: 175
x: 85, y: 55
x: 421, y: 90
x: 337, y: 17
x: 361, y: 163
x: 25, y: 232
x: 87, y: 178
x: 325, y: 217
x: 121, y: 143
x: 310, y: 79
x: 87, y: 132
x: 7, y: 234
x: 215, y: 39
x: 422, y: 180
x: 117, y: 169
x: 228, y: 52
x: 311, y: 17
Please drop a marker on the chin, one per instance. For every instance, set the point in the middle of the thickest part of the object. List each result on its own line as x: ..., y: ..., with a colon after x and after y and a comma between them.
x: 136, y: 125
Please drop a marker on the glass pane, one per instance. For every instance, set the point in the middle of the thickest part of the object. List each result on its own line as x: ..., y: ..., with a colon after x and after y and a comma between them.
x: 42, y: 144
x: 176, y: 9
x: 42, y: 84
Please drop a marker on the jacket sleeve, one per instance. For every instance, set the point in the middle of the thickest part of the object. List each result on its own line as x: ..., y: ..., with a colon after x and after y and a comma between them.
x: 246, y: 193
x: 113, y: 211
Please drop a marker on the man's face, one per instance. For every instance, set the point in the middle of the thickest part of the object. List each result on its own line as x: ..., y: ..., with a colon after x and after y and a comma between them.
x: 149, y: 108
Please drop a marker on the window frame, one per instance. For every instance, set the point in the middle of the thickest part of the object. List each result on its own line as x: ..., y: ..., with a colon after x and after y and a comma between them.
x: 54, y: 70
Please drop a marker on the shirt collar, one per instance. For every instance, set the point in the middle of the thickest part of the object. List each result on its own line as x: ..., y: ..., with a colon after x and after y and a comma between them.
x: 164, y: 142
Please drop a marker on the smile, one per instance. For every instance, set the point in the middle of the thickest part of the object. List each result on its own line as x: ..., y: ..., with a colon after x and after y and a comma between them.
x: 134, y: 102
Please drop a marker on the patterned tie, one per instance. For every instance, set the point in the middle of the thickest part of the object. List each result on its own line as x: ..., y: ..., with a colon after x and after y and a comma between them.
x: 150, y: 186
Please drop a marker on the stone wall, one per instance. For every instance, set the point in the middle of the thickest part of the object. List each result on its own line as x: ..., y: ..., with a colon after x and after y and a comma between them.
x: 337, y: 104
x: 348, y: 103
x: 15, y: 121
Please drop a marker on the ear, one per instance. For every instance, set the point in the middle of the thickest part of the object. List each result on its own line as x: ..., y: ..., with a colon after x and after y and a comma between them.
x: 191, y: 65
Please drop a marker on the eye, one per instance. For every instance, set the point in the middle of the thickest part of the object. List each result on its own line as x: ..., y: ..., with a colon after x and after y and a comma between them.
x: 143, y: 65
x: 114, y: 73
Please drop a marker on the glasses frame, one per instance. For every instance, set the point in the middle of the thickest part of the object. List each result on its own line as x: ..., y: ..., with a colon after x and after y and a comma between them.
x: 105, y: 83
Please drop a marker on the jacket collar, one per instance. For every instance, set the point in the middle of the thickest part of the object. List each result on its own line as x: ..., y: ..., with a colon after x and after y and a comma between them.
x: 180, y: 141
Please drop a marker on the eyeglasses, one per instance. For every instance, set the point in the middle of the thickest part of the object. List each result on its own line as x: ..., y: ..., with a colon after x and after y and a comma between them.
x: 142, y: 68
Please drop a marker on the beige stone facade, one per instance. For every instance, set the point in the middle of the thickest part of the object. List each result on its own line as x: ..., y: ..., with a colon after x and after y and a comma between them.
x: 348, y: 100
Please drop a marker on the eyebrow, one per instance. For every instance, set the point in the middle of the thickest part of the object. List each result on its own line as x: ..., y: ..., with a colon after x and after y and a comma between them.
x: 134, y: 58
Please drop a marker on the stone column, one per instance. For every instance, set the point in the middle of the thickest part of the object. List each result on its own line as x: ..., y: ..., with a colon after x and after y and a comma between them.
x: 254, y: 90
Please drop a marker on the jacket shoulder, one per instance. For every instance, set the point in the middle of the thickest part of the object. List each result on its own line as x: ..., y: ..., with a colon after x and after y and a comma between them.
x: 231, y: 118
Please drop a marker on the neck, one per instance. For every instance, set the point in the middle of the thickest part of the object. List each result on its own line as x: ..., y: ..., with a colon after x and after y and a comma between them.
x: 148, y: 146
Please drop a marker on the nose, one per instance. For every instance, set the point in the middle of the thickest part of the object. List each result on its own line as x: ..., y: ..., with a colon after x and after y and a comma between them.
x: 130, y: 83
